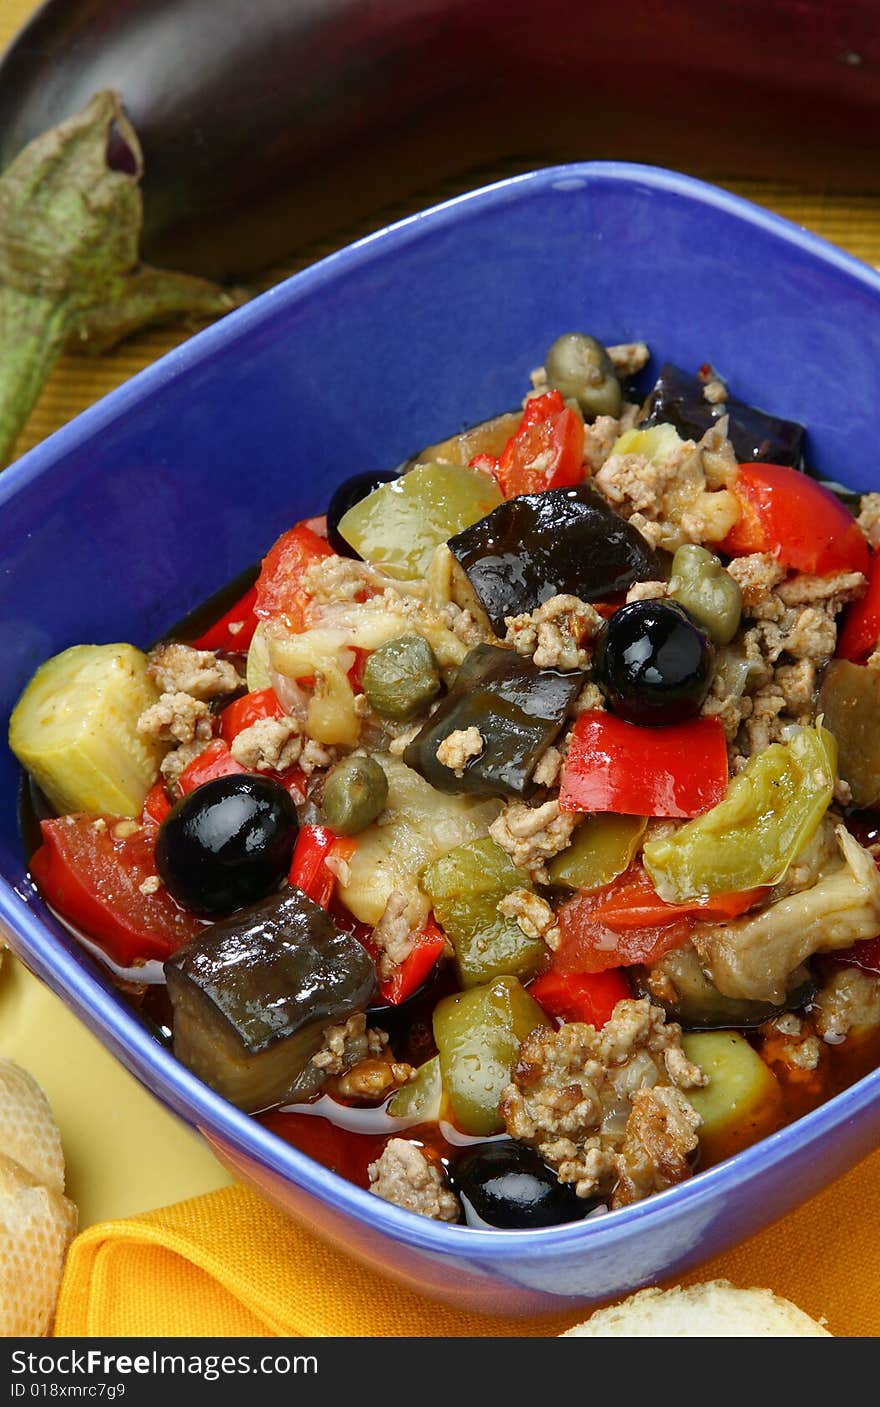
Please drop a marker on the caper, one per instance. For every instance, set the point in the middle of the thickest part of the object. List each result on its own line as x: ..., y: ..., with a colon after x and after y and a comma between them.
x: 402, y: 677
x: 707, y: 591
x: 355, y: 793
x: 579, y: 367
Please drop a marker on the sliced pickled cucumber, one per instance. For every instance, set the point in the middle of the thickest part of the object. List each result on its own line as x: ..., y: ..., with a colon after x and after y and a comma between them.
x: 422, y: 1100
x: 742, y: 1101
x: 75, y: 730
x: 400, y: 524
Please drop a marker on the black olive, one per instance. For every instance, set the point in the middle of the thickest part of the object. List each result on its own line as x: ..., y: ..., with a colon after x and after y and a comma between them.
x: 227, y: 844
x: 350, y: 492
x: 508, y: 1186
x: 654, y: 663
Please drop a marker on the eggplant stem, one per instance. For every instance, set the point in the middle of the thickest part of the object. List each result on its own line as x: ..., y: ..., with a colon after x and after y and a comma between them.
x: 70, y: 269
x: 33, y: 331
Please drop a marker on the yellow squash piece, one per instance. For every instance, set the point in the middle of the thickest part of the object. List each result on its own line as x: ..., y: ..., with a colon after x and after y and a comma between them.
x: 75, y: 730
x: 742, y: 1101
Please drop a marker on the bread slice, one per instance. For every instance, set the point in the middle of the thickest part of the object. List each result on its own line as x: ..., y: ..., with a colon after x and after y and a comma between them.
x: 28, y: 1131
x: 715, y: 1310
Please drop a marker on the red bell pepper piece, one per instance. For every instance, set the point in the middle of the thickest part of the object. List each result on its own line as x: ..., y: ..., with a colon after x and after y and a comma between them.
x: 234, y: 630
x: 216, y: 761
x: 250, y: 708
x: 308, y: 868
x: 279, y: 585
x: 680, y: 770
x: 545, y: 452
x: 94, y: 878
x: 581, y: 996
x: 631, y: 901
x: 589, y: 943
x: 861, y: 622
x: 157, y: 805
x: 794, y: 517
x: 411, y: 973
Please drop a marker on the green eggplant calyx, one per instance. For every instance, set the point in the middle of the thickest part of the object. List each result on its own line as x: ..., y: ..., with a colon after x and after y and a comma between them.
x: 70, y: 270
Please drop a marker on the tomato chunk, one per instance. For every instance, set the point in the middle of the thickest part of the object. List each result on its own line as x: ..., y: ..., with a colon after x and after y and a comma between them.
x: 680, y: 770
x: 590, y: 944
x: 102, y: 882
x: 545, y: 452
x: 279, y: 587
x: 631, y: 901
x: 216, y: 761
x: 797, y: 519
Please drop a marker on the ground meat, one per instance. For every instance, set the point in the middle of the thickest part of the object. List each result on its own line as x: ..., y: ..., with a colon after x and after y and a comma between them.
x: 661, y: 1134
x: 183, y: 669
x: 848, y: 1001
x: 458, y: 747
x: 756, y: 575
x: 533, y: 914
x: 873, y: 660
x: 573, y: 1098
x: 556, y: 634
x: 175, y: 762
x: 345, y: 1045
x: 373, y: 1079
x: 269, y: 745
x: 176, y: 718
x: 788, y: 1042
x: 589, y: 700
x: 405, y: 1176
x: 684, y: 498
x: 599, y: 441
x: 837, y: 590
x: 647, y: 591
x: 546, y: 774
x: 315, y: 756
x: 628, y: 358
x: 869, y: 518
x: 393, y: 937
x: 531, y: 835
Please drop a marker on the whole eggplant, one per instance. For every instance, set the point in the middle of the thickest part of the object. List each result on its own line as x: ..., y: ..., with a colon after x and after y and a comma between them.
x: 271, y: 123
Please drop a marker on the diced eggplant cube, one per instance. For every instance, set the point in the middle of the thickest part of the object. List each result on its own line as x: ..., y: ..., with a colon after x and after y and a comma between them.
x: 677, y: 399
x: 559, y: 542
x: 518, y: 710
x: 253, y: 994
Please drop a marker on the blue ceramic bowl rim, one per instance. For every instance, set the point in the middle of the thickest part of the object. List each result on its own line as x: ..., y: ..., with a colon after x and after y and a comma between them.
x: 207, y: 1110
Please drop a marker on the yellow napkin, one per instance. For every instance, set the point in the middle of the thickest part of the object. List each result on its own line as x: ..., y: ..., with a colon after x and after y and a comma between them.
x: 227, y: 1265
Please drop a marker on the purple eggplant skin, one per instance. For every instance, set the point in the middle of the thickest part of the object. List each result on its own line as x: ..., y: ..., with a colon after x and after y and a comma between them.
x: 268, y: 124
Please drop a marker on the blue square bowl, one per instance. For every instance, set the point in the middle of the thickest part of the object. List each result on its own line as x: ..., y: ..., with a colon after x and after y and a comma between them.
x: 149, y: 502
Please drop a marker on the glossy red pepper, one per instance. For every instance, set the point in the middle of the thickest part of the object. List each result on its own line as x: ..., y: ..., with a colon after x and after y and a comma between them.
x: 234, y: 630
x: 280, y: 583
x: 795, y: 518
x: 157, y: 805
x: 631, y: 901
x: 308, y: 868
x: 95, y: 879
x: 581, y: 996
x: 860, y: 631
x: 250, y: 708
x: 590, y: 944
x: 412, y: 972
x: 616, y: 766
x: 216, y: 761
x: 545, y: 452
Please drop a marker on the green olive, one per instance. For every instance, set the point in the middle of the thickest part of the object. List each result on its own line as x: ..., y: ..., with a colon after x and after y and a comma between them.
x: 402, y: 677
x: 578, y: 366
x: 355, y: 793
x: 706, y: 591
